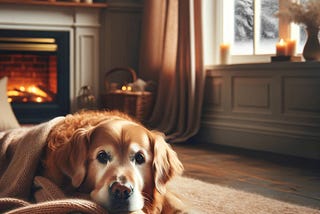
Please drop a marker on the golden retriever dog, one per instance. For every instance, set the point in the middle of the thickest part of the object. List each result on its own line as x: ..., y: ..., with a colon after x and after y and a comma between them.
x: 115, y: 160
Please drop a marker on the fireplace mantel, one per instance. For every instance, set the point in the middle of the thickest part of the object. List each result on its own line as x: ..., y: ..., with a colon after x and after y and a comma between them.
x: 54, y: 3
x: 83, y: 25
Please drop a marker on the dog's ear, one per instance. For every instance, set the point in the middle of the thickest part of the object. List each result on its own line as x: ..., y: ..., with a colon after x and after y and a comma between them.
x: 165, y: 162
x: 72, y: 157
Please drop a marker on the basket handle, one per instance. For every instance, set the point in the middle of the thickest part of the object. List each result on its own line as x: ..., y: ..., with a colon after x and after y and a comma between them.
x: 128, y: 69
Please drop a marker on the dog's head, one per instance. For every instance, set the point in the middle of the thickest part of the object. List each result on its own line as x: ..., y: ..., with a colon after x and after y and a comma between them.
x: 120, y: 163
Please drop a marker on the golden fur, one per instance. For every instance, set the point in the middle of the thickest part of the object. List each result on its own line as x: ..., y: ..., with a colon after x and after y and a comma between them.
x: 113, y: 158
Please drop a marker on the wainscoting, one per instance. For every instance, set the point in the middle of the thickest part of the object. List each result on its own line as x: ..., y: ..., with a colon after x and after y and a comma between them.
x: 272, y: 107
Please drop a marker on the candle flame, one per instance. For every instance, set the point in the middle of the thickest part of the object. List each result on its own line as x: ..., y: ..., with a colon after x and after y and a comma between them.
x: 282, y: 43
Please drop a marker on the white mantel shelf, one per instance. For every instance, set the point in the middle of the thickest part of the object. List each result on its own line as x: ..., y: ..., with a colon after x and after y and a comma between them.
x: 54, y: 3
x: 271, y: 107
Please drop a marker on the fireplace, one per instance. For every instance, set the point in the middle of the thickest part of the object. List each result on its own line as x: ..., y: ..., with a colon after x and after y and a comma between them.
x: 37, y: 65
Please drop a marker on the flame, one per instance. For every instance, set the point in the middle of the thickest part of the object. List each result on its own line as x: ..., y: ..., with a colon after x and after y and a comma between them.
x: 282, y: 43
x: 39, y: 100
x: 13, y: 93
x: 35, y: 90
x: 29, y: 93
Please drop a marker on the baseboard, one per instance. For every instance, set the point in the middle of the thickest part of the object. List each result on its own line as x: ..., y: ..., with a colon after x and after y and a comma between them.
x: 265, y: 142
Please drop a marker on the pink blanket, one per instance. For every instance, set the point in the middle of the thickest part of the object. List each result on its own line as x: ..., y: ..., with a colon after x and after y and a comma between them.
x: 21, y: 191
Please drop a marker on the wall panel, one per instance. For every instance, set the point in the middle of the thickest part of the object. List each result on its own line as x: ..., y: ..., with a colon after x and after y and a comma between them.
x: 272, y: 107
x: 251, y: 94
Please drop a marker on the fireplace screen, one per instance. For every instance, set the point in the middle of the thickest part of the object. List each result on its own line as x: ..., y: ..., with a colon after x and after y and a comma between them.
x: 36, y: 64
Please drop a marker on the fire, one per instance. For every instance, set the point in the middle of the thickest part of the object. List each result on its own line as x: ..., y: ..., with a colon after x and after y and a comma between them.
x: 39, y: 100
x: 35, y: 90
x: 30, y: 93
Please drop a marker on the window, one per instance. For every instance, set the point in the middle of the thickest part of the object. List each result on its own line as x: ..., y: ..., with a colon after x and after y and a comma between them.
x: 255, y: 27
x: 250, y: 27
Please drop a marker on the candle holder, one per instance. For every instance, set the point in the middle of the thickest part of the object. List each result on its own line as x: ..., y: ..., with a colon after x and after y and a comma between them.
x: 280, y: 58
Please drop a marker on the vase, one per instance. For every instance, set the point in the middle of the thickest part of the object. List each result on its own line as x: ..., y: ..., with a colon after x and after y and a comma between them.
x: 311, y: 50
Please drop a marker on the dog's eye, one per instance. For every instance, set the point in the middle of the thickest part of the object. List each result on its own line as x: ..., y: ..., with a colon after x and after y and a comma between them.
x: 103, y: 157
x: 139, y: 158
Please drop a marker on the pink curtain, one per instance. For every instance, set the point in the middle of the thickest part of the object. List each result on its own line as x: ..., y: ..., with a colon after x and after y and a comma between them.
x: 171, y: 54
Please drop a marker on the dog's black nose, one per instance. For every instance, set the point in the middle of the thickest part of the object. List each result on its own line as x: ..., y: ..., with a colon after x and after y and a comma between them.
x: 120, y: 191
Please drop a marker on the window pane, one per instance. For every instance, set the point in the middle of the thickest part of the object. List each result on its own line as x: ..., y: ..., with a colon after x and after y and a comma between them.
x: 243, y: 27
x: 269, y: 26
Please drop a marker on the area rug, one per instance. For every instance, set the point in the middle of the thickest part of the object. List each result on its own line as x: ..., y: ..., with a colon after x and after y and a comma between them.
x: 215, y: 199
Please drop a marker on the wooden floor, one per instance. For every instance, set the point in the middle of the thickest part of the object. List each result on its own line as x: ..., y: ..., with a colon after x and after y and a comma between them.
x: 283, y: 178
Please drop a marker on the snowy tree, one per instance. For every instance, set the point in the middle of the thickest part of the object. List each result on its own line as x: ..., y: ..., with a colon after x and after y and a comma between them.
x: 244, y: 19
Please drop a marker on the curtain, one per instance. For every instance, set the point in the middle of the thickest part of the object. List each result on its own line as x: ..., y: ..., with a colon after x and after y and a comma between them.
x: 172, y: 55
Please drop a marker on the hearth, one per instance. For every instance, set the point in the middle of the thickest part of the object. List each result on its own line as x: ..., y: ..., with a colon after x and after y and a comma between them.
x: 37, y: 65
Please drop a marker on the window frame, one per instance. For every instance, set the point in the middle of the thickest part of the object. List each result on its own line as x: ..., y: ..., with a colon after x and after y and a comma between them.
x: 223, y: 25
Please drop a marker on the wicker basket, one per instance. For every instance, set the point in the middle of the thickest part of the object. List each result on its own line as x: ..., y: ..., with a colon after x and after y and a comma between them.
x: 137, y: 104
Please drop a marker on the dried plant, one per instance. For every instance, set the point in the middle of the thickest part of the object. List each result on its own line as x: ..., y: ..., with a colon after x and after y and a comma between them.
x: 307, y: 14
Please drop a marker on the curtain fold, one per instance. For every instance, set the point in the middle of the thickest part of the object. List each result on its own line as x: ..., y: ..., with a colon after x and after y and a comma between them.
x: 172, y: 54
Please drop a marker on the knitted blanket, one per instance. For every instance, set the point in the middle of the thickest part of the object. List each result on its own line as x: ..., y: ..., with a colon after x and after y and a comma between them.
x: 21, y: 191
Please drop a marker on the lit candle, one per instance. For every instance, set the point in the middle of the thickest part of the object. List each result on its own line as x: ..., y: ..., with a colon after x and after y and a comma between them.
x: 291, y: 47
x: 224, y: 54
x: 281, y: 48
x: 124, y: 88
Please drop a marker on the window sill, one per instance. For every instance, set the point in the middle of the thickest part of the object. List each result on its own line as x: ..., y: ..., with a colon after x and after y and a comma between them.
x: 262, y: 66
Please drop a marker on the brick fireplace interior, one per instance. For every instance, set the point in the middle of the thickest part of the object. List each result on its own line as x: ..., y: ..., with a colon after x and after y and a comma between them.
x: 37, y: 66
